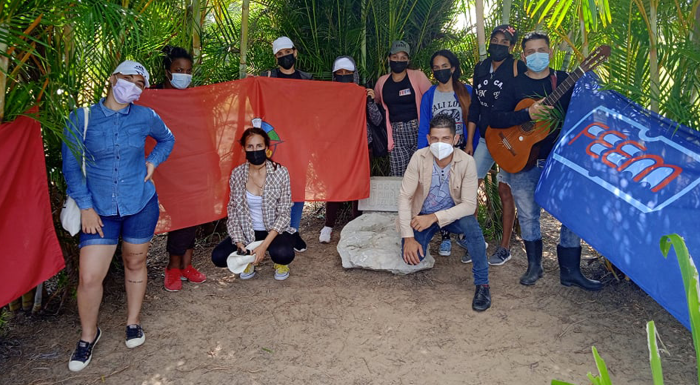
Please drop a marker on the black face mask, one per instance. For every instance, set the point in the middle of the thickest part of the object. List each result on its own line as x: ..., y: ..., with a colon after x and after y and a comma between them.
x: 256, y: 158
x: 398, y: 66
x: 444, y: 75
x: 345, y: 78
x: 287, y: 61
x: 498, y: 52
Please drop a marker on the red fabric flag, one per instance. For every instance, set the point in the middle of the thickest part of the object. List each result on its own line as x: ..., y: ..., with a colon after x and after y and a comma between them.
x: 31, y: 253
x: 318, y: 131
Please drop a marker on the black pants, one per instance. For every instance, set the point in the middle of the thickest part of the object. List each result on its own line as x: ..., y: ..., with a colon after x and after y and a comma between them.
x: 281, y: 249
x: 332, y: 212
x: 181, y: 240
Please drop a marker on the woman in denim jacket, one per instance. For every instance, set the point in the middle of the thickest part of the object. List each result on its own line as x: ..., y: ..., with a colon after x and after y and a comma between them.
x: 116, y: 197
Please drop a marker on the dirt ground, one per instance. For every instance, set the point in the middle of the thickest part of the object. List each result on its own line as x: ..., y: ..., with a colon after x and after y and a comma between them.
x: 327, y: 325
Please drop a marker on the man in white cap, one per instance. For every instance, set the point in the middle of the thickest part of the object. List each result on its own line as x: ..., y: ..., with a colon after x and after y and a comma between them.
x: 286, y: 55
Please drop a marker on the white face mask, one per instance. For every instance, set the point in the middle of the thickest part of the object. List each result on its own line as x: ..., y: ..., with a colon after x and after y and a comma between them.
x: 125, y: 92
x: 441, y: 150
x: 180, y: 81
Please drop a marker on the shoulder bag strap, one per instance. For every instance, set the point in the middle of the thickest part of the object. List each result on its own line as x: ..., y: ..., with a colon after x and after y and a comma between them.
x: 86, y: 118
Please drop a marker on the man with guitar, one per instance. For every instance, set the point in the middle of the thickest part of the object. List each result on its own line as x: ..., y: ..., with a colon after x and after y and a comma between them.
x: 541, y: 83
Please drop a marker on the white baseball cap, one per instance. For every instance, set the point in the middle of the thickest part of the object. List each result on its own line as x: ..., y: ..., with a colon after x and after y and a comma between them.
x: 281, y: 43
x: 130, y: 67
x: 343, y: 64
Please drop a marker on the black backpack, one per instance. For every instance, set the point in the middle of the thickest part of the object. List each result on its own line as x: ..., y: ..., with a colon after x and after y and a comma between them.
x: 380, y: 141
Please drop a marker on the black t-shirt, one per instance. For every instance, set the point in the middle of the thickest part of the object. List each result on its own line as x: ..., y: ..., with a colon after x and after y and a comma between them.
x: 294, y: 75
x: 523, y: 87
x: 488, y: 87
x: 400, y: 99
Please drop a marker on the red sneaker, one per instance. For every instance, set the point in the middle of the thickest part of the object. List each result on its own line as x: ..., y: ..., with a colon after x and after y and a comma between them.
x: 193, y: 275
x: 172, y: 280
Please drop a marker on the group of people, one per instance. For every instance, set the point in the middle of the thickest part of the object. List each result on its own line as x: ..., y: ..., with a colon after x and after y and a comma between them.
x: 436, y: 142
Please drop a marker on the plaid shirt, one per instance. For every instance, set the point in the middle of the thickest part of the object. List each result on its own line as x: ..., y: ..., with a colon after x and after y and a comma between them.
x: 276, y: 203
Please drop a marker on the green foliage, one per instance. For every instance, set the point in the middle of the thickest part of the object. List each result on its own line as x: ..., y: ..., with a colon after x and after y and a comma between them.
x: 691, y: 284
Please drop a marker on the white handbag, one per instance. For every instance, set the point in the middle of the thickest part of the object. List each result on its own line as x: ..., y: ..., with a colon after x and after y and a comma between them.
x: 70, y: 214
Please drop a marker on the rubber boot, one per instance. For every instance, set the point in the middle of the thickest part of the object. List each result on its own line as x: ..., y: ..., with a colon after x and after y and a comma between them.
x: 570, y: 269
x: 534, y: 263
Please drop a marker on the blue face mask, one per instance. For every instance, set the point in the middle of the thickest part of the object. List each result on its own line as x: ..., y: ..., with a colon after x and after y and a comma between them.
x: 537, y: 61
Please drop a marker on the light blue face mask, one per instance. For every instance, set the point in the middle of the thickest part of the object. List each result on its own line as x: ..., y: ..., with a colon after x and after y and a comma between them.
x: 537, y: 61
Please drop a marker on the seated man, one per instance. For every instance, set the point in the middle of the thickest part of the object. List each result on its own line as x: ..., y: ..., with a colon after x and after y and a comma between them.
x: 439, y: 192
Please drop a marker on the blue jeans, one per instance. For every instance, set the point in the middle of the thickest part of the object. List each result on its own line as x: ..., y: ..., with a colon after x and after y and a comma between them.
x: 483, y: 159
x: 297, y: 210
x: 522, y: 185
x: 474, y: 238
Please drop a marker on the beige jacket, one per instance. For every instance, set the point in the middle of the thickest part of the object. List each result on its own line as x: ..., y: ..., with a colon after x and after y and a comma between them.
x: 416, y: 185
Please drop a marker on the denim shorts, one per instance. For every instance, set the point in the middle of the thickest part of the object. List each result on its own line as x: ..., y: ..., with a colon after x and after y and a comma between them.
x: 136, y: 229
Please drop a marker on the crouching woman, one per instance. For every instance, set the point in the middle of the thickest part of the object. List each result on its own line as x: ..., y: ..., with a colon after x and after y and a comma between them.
x: 259, y: 209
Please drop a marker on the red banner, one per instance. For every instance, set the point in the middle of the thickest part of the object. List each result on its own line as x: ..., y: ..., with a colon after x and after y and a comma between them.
x: 318, y: 131
x: 31, y: 253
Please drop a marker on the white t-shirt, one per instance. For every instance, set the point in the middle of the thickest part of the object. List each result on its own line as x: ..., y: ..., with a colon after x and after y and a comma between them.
x: 255, y: 208
x: 446, y: 103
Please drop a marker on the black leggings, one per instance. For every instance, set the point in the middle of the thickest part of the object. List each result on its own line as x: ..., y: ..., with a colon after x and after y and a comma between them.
x: 281, y: 249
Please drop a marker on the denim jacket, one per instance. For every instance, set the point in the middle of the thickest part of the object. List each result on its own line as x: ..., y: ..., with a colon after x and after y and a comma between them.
x: 115, y: 163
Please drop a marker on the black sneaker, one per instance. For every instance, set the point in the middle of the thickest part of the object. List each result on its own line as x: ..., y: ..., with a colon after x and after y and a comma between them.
x: 134, y: 336
x: 482, y: 298
x: 83, y: 353
x: 299, y: 244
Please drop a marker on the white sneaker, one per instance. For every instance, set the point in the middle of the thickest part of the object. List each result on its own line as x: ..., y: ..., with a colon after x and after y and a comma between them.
x: 325, y: 236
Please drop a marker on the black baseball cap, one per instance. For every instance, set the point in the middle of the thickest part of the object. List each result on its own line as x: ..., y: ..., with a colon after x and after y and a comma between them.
x: 510, y: 33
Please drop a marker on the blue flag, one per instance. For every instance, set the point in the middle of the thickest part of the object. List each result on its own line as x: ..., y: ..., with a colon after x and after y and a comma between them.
x: 621, y: 177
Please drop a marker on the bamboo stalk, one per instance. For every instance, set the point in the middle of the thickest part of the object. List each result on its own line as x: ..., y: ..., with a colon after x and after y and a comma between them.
x: 243, y: 68
x: 653, y: 58
x: 4, y: 63
x: 363, y: 43
x: 480, y: 33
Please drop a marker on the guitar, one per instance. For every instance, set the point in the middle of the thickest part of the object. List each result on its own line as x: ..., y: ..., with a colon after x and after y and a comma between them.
x: 512, y: 147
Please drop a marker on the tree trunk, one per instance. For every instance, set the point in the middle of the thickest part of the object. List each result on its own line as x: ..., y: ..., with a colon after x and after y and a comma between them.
x: 243, y: 68
x: 480, y: 33
x: 196, y: 31
x: 505, y: 16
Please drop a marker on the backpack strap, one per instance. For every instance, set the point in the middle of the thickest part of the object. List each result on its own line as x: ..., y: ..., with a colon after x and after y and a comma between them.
x: 515, y: 68
x: 86, y: 119
x: 553, y: 79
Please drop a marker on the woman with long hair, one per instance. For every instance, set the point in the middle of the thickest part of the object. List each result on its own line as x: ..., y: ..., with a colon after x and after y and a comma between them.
x: 449, y: 97
x: 259, y: 209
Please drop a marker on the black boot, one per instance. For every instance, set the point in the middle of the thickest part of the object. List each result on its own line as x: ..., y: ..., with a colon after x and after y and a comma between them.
x: 570, y: 269
x: 534, y: 263
x: 482, y: 298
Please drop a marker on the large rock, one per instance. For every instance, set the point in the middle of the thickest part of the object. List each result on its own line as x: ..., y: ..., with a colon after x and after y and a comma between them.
x: 371, y: 242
